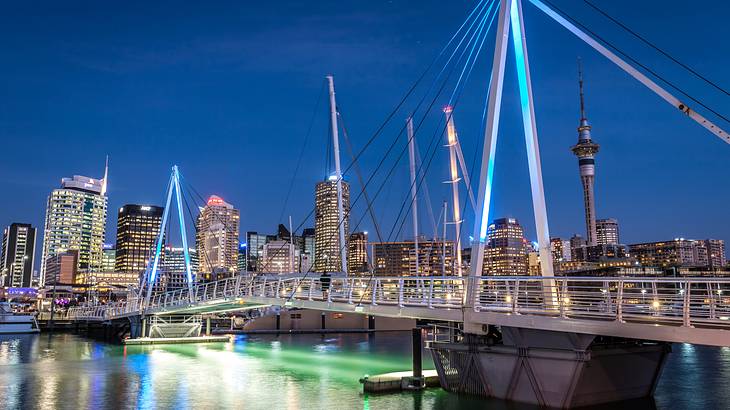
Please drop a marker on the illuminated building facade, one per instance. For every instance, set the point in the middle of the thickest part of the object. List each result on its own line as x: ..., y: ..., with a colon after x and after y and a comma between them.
x: 17, y: 256
x: 217, y: 240
x: 137, y: 229
x: 561, y: 250
x: 716, y: 258
x: 327, y: 247
x: 62, y: 268
x: 280, y: 256
x: 607, y: 232
x: 173, y: 268
x: 436, y: 258
x: 357, y: 254
x: 673, y: 253
x: 506, y: 249
x: 109, y: 258
x: 76, y: 221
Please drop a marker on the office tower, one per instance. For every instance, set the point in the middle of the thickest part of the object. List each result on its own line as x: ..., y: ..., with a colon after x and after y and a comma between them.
x: 62, y: 268
x: 76, y: 220
x: 138, y: 227
x: 173, y: 275
x: 108, y: 258
x: 327, y: 225
x: 586, y: 150
x: 715, y: 253
x: 17, y: 256
x: 679, y: 252
x: 607, y: 232
x: 255, y: 243
x: 308, y: 246
x: 436, y: 258
x: 561, y: 250
x: 280, y: 256
x: 217, y: 239
x: 242, y: 257
x: 576, y: 241
x: 506, y: 248
x: 357, y: 256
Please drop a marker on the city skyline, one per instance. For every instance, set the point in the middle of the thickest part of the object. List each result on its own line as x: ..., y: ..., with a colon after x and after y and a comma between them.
x: 618, y: 175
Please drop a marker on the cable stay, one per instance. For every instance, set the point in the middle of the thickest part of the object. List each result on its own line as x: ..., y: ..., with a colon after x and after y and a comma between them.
x: 638, y: 75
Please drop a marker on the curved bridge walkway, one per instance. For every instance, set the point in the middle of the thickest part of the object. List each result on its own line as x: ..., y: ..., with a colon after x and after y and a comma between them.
x: 691, y: 310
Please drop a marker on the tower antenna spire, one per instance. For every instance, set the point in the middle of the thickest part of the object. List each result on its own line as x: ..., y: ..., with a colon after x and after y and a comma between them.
x: 580, y: 86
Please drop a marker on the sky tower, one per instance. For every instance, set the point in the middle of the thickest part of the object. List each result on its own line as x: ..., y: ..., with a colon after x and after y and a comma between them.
x: 586, y: 150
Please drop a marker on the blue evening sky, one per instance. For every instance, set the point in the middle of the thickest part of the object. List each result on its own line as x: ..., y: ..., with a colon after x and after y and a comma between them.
x: 226, y: 90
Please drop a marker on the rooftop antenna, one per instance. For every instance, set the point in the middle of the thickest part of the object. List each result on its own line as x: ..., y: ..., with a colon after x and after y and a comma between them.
x: 106, y: 174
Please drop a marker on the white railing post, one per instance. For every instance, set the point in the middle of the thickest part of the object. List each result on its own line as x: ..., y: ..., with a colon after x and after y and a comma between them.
x: 516, y: 295
x: 311, y: 288
x: 430, y: 293
x: 620, y: 301
x: 373, y: 292
x: 711, y: 298
x: 350, y: 289
x: 400, y: 292
x: 263, y: 287
x: 686, y: 306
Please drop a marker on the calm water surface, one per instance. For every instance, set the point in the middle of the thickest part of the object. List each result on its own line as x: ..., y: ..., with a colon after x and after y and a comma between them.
x: 268, y: 372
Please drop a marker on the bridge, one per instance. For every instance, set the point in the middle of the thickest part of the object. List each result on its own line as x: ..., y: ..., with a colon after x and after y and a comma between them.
x: 662, y: 309
x: 548, y: 340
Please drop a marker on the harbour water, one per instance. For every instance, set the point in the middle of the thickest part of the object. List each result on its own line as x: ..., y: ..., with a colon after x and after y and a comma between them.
x: 64, y: 371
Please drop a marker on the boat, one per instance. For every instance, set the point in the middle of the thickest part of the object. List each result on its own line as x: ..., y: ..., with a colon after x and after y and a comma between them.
x: 11, y: 322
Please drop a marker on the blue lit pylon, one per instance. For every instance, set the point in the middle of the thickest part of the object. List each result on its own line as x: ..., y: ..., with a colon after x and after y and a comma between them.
x: 510, y: 12
x: 173, y: 186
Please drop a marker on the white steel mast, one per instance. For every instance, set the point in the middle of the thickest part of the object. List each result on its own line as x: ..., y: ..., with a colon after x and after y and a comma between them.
x: 338, y: 173
x: 414, y: 193
x: 454, y: 168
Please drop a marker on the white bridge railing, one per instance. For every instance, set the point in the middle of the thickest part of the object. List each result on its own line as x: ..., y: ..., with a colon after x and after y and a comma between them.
x: 681, y: 301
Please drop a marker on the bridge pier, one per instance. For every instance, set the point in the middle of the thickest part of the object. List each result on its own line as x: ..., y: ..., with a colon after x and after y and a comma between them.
x: 550, y: 369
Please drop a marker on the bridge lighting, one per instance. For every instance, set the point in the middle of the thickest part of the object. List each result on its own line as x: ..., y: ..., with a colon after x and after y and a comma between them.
x: 566, y: 301
x: 643, y: 291
x: 508, y: 299
x: 655, y: 304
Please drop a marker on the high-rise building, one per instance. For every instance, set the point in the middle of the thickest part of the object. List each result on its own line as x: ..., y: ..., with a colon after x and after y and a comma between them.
x: 327, y: 225
x: 715, y: 253
x: 576, y: 241
x: 506, y: 250
x: 280, y: 256
x: 138, y: 227
x: 217, y: 239
x: 76, y: 221
x: 242, y: 257
x: 255, y: 243
x: 672, y: 253
x: 308, y: 245
x: 357, y: 254
x: 607, y: 232
x: 18, y: 255
x: 173, y: 273
x: 109, y: 258
x: 586, y: 150
x: 62, y: 268
x: 435, y: 257
x: 561, y: 250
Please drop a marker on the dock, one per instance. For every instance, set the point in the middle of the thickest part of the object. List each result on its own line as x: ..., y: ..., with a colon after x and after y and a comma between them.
x: 399, y: 381
x: 176, y: 340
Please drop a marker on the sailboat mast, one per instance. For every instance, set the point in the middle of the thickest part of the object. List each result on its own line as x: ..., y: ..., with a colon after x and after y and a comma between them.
x: 338, y: 173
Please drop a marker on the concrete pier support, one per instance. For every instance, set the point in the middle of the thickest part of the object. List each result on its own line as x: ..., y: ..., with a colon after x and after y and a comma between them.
x: 550, y: 369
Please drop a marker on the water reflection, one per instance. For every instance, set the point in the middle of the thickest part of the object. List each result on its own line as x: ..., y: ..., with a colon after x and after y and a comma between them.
x: 269, y: 372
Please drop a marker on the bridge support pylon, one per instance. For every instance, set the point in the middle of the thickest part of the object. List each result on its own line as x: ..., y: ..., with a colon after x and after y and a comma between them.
x: 550, y: 369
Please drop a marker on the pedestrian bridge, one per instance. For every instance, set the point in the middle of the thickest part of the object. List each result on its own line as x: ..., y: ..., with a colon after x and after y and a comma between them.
x: 691, y: 310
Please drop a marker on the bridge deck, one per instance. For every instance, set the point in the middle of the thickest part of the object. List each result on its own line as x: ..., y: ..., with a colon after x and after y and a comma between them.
x: 691, y: 310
